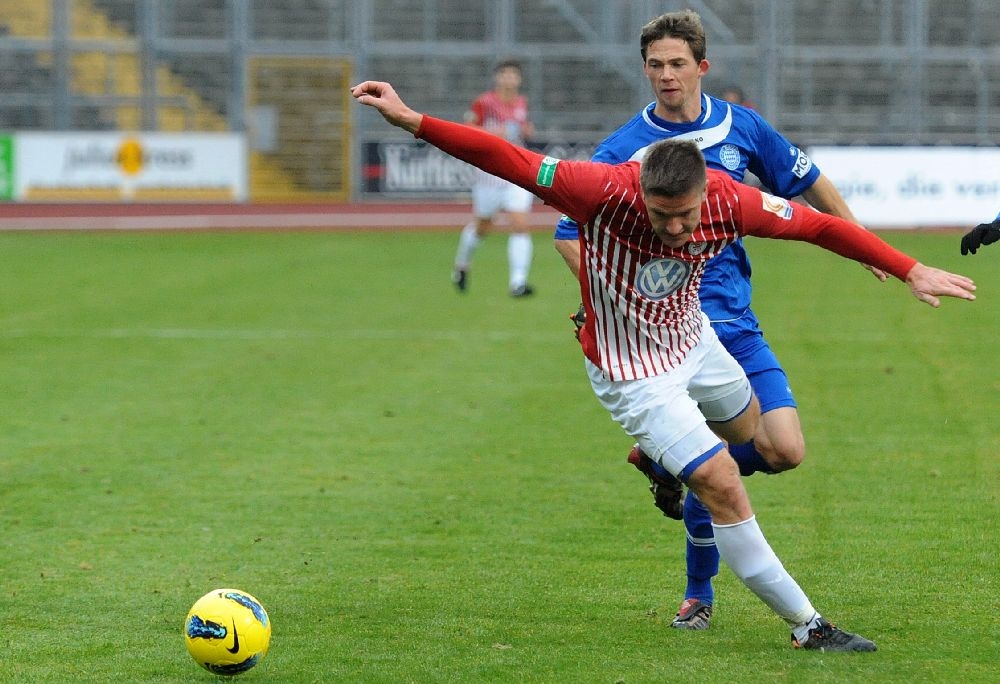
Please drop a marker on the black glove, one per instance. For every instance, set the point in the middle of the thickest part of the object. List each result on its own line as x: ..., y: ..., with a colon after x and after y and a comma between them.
x: 579, y: 318
x: 983, y: 234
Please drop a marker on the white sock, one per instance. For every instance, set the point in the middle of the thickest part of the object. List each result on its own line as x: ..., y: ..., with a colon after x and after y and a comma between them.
x: 519, y: 249
x: 801, y: 632
x: 743, y: 548
x: 467, y: 243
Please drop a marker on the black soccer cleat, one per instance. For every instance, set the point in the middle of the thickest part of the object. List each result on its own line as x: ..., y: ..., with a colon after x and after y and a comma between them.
x: 522, y: 291
x: 668, y: 492
x: 460, y: 277
x: 828, y: 639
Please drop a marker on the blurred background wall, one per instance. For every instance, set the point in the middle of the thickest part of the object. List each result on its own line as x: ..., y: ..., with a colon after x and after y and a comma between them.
x: 824, y: 72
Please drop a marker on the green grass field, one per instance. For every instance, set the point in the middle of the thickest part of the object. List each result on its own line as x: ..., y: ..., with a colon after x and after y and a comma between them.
x: 420, y: 486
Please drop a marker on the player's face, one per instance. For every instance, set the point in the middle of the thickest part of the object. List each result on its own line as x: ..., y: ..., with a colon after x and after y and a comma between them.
x: 508, y: 80
x: 674, y: 218
x: 675, y: 77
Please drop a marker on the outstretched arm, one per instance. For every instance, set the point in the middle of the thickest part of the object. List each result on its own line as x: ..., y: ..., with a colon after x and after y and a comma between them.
x: 824, y: 196
x: 983, y: 234
x: 768, y: 216
x: 574, y: 187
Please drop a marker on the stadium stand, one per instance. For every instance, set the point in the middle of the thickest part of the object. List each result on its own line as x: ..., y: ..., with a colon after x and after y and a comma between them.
x: 847, y: 72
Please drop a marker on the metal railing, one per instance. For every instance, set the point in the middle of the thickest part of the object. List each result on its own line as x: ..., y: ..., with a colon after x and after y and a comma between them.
x: 854, y: 72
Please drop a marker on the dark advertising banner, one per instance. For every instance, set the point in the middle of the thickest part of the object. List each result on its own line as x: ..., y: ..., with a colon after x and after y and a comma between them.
x: 411, y: 168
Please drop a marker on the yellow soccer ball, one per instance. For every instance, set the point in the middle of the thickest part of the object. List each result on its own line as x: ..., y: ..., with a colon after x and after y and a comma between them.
x: 227, y: 631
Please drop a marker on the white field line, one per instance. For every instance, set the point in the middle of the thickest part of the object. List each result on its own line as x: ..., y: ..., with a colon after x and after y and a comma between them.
x: 288, y: 221
x: 224, y: 334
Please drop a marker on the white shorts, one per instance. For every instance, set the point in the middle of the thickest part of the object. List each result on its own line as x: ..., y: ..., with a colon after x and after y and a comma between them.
x: 490, y: 197
x: 666, y: 413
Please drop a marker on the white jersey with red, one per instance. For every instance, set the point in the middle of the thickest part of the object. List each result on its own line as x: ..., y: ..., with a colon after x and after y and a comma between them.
x: 500, y: 116
x: 641, y: 297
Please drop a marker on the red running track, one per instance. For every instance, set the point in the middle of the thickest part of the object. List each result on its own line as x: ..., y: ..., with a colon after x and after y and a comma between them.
x: 368, y: 216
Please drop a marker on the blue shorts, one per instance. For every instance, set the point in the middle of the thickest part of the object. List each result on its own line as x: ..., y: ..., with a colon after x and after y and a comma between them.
x: 744, y: 340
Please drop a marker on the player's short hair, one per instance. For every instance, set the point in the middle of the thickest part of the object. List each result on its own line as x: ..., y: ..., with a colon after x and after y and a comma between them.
x: 672, y: 168
x: 508, y: 64
x: 685, y: 25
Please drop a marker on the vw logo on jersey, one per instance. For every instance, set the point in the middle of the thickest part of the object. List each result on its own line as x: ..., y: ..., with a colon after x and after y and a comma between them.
x: 729, y: 156
x: 661, y: 278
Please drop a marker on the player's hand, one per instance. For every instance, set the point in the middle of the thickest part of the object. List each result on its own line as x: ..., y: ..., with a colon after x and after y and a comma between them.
x: 578, y: 318
x: 877, y: 272
x: 928, y: 283
x: 383, y: 97
x: 983, y: 234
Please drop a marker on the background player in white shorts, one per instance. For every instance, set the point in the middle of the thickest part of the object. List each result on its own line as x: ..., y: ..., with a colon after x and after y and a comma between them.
x: 502, y: 111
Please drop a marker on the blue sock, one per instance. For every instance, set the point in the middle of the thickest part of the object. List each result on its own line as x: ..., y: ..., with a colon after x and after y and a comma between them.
x: 749, y: 459
x: 660, y: 470
x: 702, y: 555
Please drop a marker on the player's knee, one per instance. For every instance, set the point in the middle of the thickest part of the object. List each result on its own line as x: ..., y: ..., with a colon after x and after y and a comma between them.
x: 718, y: 485
x: 779, y: 439
x: 784, y: 453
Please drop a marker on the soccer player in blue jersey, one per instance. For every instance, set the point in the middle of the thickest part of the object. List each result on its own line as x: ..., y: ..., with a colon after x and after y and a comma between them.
x: 983, y: 234
x: 734, y: 139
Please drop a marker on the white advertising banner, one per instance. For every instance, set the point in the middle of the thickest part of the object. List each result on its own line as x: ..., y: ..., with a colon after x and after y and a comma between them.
x: 915, y: 186
x: 130, y: 167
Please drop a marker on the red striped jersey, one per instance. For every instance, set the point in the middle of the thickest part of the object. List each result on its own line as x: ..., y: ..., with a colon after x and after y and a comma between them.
x: 500, y: 117
x: 641, y: 296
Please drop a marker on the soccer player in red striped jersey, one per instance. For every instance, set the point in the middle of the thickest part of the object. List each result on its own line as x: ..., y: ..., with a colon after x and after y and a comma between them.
x: 655, y: 363
x: 737, y: 140
x: 502, y: 111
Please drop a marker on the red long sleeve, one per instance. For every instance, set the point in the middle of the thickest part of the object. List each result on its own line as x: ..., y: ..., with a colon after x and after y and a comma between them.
x: 767, y: 216
x: 578, y: 189
x: 575, y: 188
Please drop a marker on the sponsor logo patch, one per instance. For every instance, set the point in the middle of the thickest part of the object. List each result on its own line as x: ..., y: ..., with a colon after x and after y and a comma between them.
x: 778, y: 206
x: 547, y: 172
x: 661, y: 278
x: 729, y: 156
x: 802, y: 162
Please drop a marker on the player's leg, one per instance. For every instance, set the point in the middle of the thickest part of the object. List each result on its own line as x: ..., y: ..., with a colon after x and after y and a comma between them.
x: 747, y: 553
x: 668, y: 415
x: 778, y: 443
x: 663, y: 414
x: 738, y: 538
x: 714, y: 477
x: 485, y: 204
x: 701, y: 555
x: 725, y: 398
x: 517, y: 202
x: 702, y: 561
x: 741, y: 543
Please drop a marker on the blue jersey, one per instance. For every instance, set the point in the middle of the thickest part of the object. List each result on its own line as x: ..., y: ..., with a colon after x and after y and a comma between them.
x: 733, y: 139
